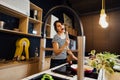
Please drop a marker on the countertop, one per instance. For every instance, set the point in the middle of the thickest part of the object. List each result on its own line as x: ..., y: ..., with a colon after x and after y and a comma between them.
x: 55, y: 74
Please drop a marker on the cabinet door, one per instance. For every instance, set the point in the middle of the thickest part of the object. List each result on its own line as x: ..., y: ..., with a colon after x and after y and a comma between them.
x: 14, y: 73
x: 47, y: 63
x: 33, y: 68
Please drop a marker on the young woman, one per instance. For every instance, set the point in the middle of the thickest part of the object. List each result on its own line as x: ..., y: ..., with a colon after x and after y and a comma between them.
x: 60, y: 44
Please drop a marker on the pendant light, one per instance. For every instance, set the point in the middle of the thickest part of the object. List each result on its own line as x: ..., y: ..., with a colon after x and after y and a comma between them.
x: 102, y: 20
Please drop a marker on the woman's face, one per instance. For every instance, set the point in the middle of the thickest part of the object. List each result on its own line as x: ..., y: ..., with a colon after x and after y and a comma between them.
x: 60, y: 27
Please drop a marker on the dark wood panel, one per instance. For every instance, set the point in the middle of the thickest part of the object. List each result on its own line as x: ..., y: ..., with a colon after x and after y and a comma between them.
x: 99, y: 38
x: 88, y: 31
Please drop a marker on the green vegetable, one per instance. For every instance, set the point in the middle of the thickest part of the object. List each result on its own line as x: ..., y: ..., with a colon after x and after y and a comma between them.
x: 47, y: 76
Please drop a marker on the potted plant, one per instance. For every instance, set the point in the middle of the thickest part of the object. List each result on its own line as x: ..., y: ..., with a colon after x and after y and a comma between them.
x: 103, y: 62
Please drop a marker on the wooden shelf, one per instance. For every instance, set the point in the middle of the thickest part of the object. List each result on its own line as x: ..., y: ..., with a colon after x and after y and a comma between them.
x: 37, y: 21
x: 32, y: 20
x: 48, y: 25
x: 34, y: 35
x: 39, y: 11
x: 24, y: 20
x: 18, y: 33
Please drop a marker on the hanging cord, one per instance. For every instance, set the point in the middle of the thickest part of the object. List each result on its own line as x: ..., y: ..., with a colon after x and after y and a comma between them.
x: 103, y: 7
x: 103, y: 4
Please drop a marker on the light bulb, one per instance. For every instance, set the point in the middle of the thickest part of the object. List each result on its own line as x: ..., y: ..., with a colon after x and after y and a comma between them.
x: 102, y: 20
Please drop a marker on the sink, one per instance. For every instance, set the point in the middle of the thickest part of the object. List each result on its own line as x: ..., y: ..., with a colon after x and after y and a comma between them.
x: 39, y: 77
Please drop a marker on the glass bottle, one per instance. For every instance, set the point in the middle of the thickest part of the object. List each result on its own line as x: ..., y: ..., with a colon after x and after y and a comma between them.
x: 36, y: 53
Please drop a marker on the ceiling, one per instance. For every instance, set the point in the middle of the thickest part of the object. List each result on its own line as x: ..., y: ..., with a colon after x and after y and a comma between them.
x: 87, y: 6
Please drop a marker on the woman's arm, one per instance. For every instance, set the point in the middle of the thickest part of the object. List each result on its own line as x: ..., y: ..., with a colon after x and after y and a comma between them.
x: 71, y: 54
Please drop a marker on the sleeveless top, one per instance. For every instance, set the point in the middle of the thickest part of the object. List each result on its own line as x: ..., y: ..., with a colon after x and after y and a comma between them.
x: 60, y: 42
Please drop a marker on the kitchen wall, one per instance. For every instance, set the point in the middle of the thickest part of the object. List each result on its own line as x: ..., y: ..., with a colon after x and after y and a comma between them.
x: 46, y: 5
x: 96, y: 37
x: 102, y: 39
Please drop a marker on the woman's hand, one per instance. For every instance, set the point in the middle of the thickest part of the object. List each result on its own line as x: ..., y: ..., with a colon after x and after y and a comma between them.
x: 72, y: 55
x: 67, y: 42
x: 58, y: 50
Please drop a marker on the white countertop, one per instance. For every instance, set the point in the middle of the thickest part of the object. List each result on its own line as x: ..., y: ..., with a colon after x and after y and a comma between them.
x: 55, y: 74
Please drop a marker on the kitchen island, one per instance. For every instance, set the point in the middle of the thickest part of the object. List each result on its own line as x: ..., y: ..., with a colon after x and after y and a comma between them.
x: 55, y: 75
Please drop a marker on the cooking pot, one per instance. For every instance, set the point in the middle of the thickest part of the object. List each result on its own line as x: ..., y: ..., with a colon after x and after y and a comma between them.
x: 87, y: 69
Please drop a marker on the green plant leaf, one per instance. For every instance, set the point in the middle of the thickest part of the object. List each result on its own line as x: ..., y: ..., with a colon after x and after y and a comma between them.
x: 93, y: 52
x: 105, y: 60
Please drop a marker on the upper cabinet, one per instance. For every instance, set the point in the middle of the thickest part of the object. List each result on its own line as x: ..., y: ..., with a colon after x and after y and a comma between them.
x: 19, y: 24
x: 17, y: 5
x: 50, y: 31
x: 35, y: 19
x: 27, y: 25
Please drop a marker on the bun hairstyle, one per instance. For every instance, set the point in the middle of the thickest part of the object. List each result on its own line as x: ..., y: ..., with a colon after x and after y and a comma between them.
x: 58, y: 21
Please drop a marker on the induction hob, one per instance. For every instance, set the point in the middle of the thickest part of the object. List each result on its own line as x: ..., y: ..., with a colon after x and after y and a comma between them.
x: 68, y: 71
x: 65, y: 70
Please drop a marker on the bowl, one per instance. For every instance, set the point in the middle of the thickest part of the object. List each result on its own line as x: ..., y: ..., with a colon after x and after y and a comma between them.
x: 87, y: 68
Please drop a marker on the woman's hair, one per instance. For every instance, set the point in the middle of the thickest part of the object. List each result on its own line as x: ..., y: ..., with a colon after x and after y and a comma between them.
x: 58, y: 21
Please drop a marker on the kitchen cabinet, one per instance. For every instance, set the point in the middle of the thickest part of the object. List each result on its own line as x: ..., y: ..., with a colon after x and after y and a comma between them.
x: 38, y: 21
x: 33, y: 68
x: 47, y: 63
x: 27, y: 27
x: 24, y: 20
x: 14, y: 72
x: 18, y: 70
